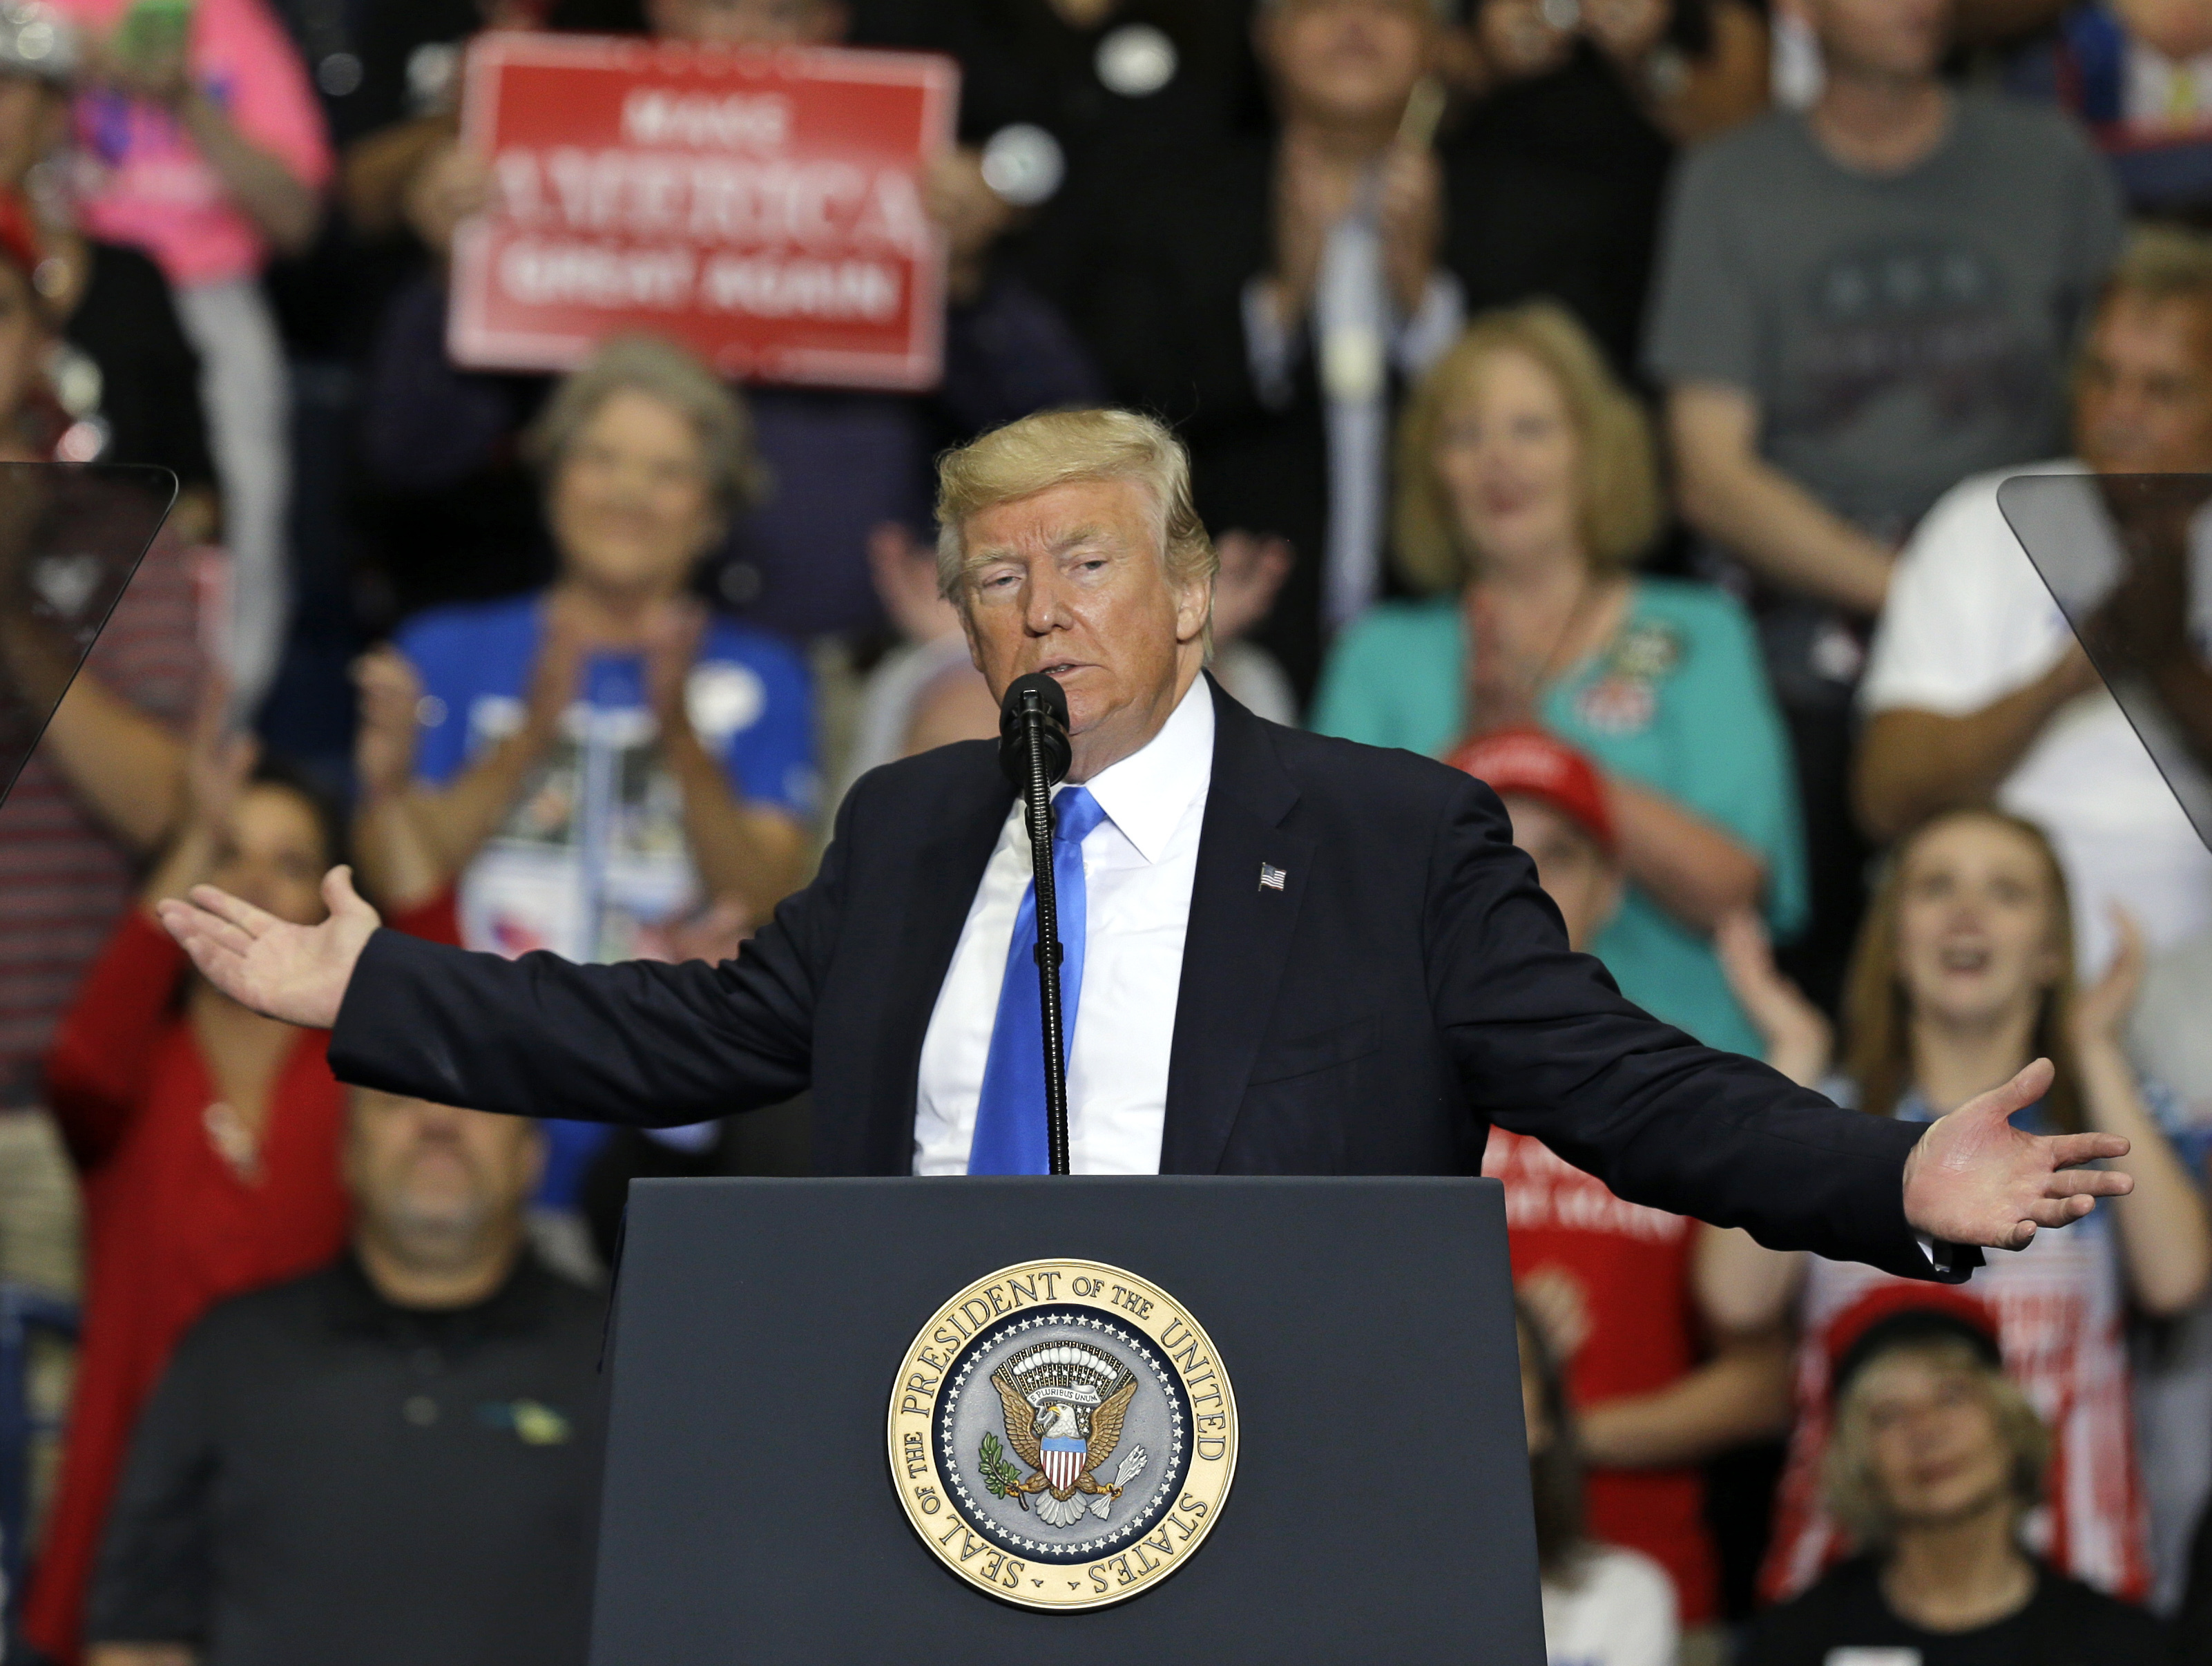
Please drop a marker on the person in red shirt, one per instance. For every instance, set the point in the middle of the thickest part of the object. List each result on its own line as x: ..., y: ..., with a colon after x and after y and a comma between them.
x: 207, y: 1136
x: 1658, y: 1380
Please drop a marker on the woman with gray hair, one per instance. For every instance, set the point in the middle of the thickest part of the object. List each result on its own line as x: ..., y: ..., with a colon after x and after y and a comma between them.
x: 1936, y: 1463
x: 604, y: 769
x: 594, y: 763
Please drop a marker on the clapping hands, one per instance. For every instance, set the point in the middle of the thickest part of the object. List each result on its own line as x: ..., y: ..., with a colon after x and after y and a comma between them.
x: 1798, y: 1036
x: 389, y: 698
x: 1503, y: 687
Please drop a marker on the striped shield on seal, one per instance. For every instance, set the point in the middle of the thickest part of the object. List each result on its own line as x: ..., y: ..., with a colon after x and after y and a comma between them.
x: 1063, y: 1460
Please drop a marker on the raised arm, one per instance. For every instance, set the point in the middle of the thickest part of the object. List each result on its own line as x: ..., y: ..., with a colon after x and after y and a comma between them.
x: 644, y: 1043
x: 1733, y: 495
x: 1547, y: 1046
x: 264, y: 141
x: 2166, y: 1241
x: 1913, y: 763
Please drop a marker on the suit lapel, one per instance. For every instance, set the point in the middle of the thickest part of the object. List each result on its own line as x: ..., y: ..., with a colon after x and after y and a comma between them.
x: 1243, y: 907
x: 948, y: 869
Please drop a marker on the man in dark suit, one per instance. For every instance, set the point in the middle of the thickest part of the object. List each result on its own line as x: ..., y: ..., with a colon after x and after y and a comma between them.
x: 1273, y: 298
x: 1218, y: 300
x: 1286, y: 954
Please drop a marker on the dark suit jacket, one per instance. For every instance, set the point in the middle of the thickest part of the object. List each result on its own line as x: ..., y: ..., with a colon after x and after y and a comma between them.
x: 1170, y: 333
x: 1408, y: 985
x: 1559, y: 200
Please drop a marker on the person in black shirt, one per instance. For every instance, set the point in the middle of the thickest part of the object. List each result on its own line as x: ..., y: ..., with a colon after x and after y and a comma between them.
x: 1275, y: 297
x: 1935, y: 1459
x: 1115, y: 96
x: 394, y: 1459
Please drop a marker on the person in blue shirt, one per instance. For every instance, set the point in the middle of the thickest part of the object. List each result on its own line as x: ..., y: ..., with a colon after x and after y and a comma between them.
x: 1528, y: 485
x: 604, y: 769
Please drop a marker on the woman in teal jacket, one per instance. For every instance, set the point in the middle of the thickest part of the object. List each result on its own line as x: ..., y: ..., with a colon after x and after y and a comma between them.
x: 1528, y: 486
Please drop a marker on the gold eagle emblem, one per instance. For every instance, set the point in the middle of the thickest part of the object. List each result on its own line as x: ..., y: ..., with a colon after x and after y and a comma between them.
x: 1064, y: 1405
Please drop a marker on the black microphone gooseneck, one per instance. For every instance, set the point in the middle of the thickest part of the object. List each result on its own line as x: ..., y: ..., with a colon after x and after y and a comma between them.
x: 1035, y: 752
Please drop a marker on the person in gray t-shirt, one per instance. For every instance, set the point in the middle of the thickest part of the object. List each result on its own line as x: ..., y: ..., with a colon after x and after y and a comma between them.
x: 1891, y: 333
x: 1856, y: 308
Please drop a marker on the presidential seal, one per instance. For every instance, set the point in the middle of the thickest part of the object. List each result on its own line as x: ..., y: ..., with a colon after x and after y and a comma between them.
x: 1062, y: 1434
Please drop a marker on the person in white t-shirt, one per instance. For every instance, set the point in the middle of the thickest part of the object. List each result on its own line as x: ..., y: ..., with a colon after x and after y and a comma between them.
x: 1603, y: 1605
x: 1976, y: 689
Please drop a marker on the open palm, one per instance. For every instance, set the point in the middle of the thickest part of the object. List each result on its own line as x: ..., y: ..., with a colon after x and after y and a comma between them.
x: 296, y: 973
x: 1976, y: 1179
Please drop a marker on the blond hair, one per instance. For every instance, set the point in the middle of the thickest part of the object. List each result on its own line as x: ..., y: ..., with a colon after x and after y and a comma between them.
x: 1848, y: 1484
x: 1058, y: 448
x: 668, y: 375
x: 1620, y: 507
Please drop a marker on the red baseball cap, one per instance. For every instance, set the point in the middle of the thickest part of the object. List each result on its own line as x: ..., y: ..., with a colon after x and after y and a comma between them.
x: 1890, y: 1315
x: 1530, y: 763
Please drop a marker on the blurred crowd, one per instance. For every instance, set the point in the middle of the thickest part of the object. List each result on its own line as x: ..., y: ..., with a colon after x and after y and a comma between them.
x: 1607, y: 397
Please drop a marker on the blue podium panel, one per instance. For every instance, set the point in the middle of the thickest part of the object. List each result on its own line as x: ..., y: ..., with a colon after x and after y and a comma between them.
x: 1379, y: 1509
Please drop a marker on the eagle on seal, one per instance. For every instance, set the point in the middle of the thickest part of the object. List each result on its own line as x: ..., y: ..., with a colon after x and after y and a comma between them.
x: 1060, y: 1424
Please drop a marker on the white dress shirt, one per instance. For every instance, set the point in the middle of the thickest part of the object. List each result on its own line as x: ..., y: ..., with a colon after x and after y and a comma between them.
x: 1359, y: 336
x: 1139, y: 864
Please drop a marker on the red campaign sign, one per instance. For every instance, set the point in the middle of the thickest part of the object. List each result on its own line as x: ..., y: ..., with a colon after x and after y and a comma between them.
x: 763, y: 207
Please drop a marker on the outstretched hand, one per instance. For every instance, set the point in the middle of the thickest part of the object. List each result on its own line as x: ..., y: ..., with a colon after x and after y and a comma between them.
x: 295, y: 973
x: 1976, y: 1179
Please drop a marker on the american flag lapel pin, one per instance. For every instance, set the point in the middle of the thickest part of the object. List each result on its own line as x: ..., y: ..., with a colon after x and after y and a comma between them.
x: 1271, y: 876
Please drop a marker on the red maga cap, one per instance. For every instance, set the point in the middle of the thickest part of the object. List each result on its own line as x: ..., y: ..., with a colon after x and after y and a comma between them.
x: 1891, y: 1315
x: 1527, y: 762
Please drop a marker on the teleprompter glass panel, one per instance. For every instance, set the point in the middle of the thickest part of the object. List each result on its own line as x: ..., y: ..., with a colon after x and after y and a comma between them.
x: 2128, y: 557
x: 70, y: 536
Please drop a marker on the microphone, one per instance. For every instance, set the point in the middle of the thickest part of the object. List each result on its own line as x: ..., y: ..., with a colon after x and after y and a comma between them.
x: 1039, y: 696
x: 1035, y: 751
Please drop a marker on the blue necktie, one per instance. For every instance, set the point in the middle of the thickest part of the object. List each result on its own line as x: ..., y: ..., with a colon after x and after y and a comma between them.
x: 1010, y: 1133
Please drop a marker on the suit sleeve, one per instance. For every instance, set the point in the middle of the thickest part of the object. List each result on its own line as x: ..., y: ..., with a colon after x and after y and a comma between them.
x: 1547, y: 1045
x: 642, y: 1042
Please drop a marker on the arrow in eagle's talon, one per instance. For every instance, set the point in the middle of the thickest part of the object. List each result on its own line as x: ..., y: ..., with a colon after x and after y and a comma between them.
x: 1132, y: 1467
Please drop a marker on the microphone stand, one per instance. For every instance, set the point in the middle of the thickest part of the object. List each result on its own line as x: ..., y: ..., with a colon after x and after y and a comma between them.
x: 1039, y: 737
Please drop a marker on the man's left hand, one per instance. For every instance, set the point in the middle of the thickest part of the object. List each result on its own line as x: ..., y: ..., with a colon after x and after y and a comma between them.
x: 1976, y: 1179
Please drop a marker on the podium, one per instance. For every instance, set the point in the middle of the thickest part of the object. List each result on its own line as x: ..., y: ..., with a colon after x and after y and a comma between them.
x: 764, y: 1331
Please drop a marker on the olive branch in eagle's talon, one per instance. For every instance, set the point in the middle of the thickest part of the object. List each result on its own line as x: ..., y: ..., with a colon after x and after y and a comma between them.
x: 1001, y: 1478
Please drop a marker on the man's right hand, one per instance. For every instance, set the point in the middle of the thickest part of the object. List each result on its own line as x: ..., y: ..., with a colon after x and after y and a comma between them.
x: 295, y: 973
